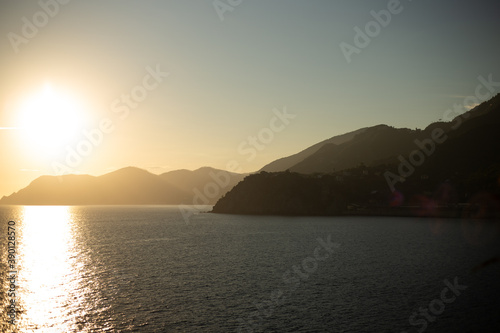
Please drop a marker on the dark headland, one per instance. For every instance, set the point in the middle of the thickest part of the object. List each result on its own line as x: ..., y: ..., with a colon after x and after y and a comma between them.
x: 449, y: 169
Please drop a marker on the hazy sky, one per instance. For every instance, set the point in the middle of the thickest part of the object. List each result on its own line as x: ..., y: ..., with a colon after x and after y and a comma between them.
x: 231, y: 68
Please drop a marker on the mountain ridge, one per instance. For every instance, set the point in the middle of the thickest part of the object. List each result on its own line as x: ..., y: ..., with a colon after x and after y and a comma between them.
x: 287, y: 162
x: 449, y: 169
x: 367, y: 147
x: 127, y: 186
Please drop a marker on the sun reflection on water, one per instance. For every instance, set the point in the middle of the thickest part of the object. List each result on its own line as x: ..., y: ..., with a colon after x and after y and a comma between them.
x: 47, y: 267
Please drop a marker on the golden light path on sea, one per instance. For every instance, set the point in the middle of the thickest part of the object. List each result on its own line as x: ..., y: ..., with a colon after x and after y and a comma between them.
x: 45, y: 268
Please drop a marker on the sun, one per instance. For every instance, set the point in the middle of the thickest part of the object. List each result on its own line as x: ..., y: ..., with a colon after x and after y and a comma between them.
x: 50, y: 120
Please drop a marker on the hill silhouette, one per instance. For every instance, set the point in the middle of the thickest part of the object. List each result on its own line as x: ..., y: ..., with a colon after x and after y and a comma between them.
x: 454, y: 169
x: 187, y: 180
x: 286, y: 163
x: 375, y: 145
x: 345, y: 171
x: 127, y: 186
x: 370, y: 147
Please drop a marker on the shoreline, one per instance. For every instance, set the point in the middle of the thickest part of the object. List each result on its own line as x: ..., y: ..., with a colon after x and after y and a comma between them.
x: 445, y: 213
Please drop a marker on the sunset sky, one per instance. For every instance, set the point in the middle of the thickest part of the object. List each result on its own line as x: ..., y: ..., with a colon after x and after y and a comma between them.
x: 207, y: 77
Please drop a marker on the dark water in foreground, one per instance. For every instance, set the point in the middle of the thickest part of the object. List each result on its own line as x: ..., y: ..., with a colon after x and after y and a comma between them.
x: 144, y: 269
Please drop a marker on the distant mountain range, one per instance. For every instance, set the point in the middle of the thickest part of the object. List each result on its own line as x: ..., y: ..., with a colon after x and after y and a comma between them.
x: 128, y: 186
x: 444, y: 165
x: 363, y: 168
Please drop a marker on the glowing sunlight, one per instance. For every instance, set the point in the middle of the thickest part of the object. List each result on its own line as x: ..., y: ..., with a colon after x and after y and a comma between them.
x: 50, y: 120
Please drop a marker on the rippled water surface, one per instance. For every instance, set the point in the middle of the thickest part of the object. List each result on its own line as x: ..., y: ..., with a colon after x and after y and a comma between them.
x: 144, y: 269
